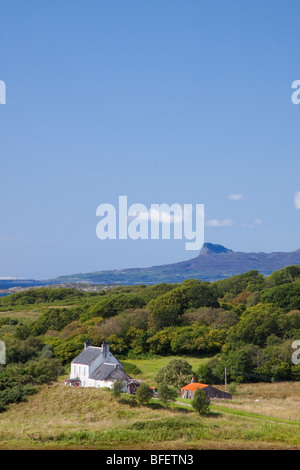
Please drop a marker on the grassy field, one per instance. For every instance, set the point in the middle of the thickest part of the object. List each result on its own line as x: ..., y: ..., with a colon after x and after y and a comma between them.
x: 150, y: 367
x: 61, y: 417
x: 278, y: 400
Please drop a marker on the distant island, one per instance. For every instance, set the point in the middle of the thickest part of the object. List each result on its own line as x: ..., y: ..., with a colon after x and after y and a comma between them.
x: 213, y: 263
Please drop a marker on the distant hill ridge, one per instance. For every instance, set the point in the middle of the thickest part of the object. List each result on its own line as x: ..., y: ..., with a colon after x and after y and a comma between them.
x: 214, y: 262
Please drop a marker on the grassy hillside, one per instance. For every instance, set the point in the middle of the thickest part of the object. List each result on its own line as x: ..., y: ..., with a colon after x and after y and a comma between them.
x: 61, y: 417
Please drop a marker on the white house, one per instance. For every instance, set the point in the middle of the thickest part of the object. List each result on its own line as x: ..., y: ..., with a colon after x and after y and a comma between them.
x: 98, y: 367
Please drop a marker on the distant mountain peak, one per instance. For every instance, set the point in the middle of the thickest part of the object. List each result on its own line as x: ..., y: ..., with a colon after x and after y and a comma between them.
x: 214, y: 262
x: 212, y: 248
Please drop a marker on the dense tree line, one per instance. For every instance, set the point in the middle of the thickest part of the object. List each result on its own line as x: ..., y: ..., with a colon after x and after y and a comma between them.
x: 41, y: 295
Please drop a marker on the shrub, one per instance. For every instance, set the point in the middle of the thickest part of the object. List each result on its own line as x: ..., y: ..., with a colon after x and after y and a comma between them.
x: 201, y: 402
x: 45, y: 370
x: 131, y: 369
x: 117, y: 388
x: 143, y: 394
x: 113, y: 304
x: 167, y: 394
x: 232, y: 387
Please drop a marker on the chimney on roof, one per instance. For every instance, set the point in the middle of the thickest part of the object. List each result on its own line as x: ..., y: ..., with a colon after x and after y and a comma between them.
x: 87, y: 343
x: 105, y: 348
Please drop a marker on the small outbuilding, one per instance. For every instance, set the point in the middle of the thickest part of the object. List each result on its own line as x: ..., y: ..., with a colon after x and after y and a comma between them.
x: 189, y: 390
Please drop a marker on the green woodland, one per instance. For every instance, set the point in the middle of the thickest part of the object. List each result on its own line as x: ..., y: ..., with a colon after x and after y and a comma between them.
x: 246, y: 323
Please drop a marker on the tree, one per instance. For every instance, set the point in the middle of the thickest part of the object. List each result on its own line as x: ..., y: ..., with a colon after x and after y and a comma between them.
x: 257, y: 323
x: 283, y: 276
x: 285, y: 296
x: 201, y: 402
x: 235, y: 285
x: 143, y: 394
x: 22, y: 351
x: 167, y: 308
x: 239, y: 365
x: 200, y: 293
x: 54, y: 319
x: 117, y: 388
x: 45, y: 370
x: 112, y: 305
x: 177, y: 373
x: 66, y: 349
x: 205, y: 374
x: 166, y: 394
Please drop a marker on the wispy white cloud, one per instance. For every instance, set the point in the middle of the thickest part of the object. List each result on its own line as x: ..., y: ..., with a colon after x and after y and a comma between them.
x: 235, y: 197
x: 161, y: 216
x: 255, y: 223
x: 176, y: 216
x: 297, y: 200
x: 219, y: 223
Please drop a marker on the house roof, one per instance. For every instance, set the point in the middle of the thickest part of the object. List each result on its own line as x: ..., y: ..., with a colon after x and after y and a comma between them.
x: 193, y: 386
x: 88, y: 355
x: 109, y: 371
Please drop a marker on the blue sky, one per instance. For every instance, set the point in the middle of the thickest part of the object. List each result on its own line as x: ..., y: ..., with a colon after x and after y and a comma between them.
x: 164, y: 101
